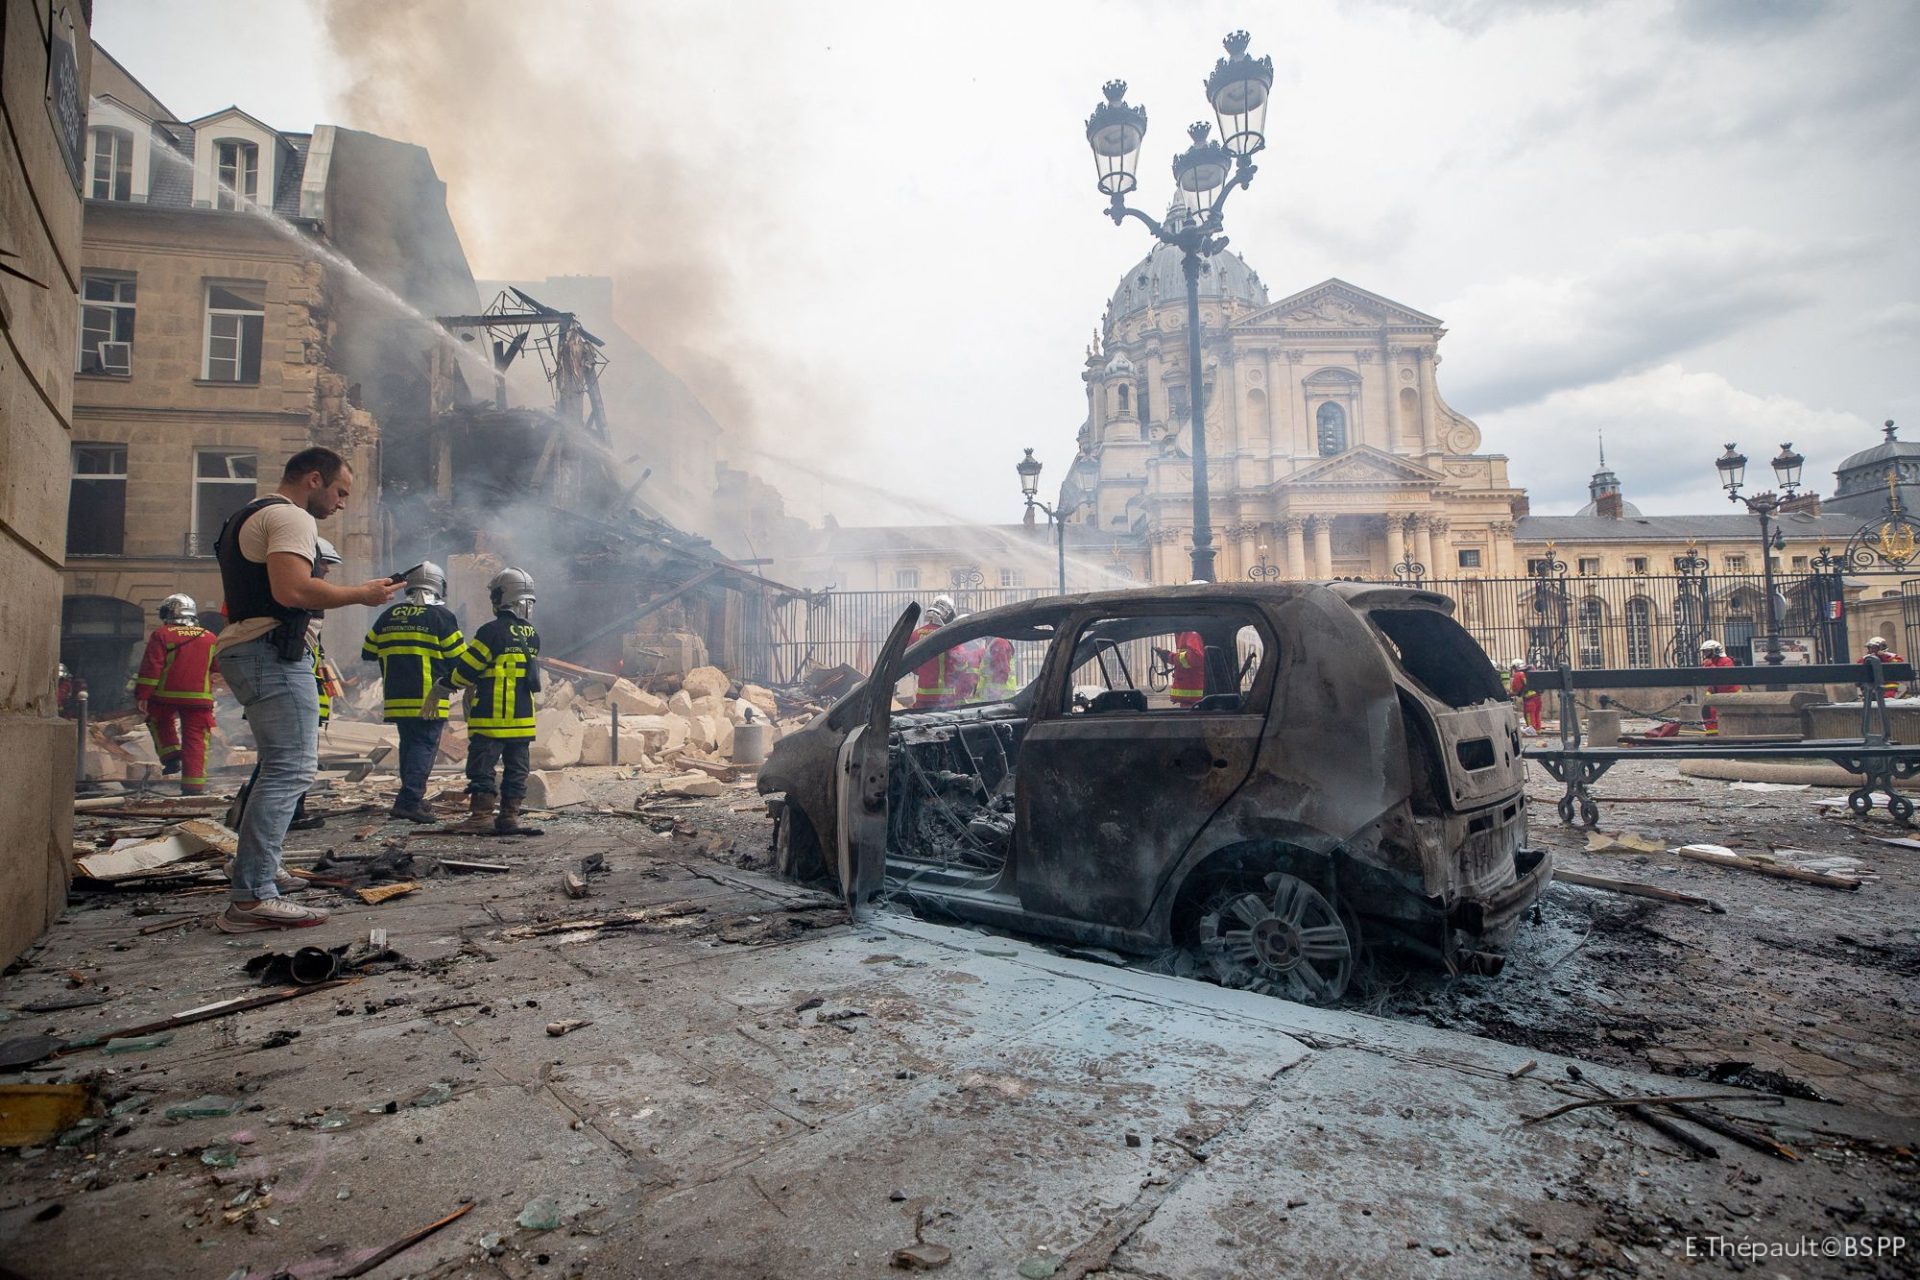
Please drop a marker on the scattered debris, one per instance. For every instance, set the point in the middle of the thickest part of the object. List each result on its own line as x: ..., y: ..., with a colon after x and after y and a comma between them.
x: 557, y: 1029
x: 1721, y: 856
x: 1659, y: 1124
x: 1623, y: 842
x: 402, y: 1244
x: 1524, y: 1068
x: 1649, y: 1100
x: 540, y: 1214
x: 922, y: 1257
x: 1637, y: 890
x: 693, y: 784
x: 573, y: 884
x: 375, y: 896
x: 624, y: 920
x: 201, y: 840
x: 32, y: 1114
x: 461, y: 866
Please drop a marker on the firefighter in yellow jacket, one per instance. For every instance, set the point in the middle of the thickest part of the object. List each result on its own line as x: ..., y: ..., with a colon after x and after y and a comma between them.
x: 416, y: 642
x: 501, y: 668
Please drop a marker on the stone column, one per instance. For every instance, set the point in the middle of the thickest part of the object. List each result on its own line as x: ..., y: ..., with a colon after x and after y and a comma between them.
x: 1392, y: 378
x: 1322, y: 545
x: 1247, y: 538
x: 1295, y: 530
x: 1438, y: 546
x: 1429, y: 426
x: 1396, y: 540
x: 1500, y: 534
x: 1423, y: 541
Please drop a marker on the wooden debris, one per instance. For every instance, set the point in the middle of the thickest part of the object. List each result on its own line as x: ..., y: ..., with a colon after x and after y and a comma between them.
x: 1659, y: 1124
x: 572, y: 883
x: 1648, y: 1100
x: 1523, y: 1069
x: 1759, y: 1142
x: 402, y: 1244
x: 1637, y: 890
x: 462, y: 865
x: 203, y: 1013
x: 623, y: 920
x: 366, y: 831
x: 380, y: 893
x: 1764, y: 866
x: 32, y: 1115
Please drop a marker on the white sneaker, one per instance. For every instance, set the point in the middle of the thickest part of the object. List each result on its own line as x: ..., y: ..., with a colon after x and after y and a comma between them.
x: 268, y: 913
x: 284, y: 881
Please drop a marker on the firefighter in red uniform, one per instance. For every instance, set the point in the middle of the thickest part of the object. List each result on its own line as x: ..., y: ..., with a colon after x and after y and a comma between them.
x: 1879, y: 648
x: 1529, y: 698
x: 939, y: 678
x: 175, y: 691
x: 999, y: 681
x: 1714, y: 654
x: 1186, y: 669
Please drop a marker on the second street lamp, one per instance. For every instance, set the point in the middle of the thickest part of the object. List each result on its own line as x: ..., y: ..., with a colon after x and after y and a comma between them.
x: 1206, y: 173
x: 1787, y: 464
x: 1029, y: 469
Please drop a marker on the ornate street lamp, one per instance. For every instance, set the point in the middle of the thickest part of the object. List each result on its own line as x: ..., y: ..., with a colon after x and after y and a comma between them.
x: 1205, y: 174
x: 1732, y: 466
x: 1029, y: 469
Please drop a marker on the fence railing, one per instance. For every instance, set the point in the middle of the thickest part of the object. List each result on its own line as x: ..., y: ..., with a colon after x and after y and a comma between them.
x: 1586, y: 622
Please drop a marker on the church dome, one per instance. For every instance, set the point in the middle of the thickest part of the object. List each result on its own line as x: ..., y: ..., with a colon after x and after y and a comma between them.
x: 1862, y: 478
x: 1119, y: 366
x: 1157, y: 280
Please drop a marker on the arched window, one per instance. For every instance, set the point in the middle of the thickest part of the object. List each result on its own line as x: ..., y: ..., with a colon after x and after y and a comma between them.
x: 111, y: 177
x: 1639, y: 632
x: 1126, y: 396
x: 1592, y: 621
x: 237, y: 177
x: 1331, y: 422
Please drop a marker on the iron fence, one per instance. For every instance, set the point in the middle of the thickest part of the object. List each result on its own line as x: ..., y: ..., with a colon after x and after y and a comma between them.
x: 847, y: 628
x: 1644, y: 621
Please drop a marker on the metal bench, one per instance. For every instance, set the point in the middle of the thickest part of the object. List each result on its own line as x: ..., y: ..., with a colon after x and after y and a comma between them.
x: 1873, y: 755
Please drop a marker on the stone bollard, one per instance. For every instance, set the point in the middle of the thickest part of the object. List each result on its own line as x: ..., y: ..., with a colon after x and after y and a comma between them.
x: 1603, y: 728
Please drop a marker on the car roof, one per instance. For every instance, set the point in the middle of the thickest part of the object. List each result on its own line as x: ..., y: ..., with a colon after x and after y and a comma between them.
x: 1356, y: 594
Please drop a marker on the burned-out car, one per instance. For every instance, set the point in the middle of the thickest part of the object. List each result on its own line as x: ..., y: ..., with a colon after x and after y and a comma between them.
x: 1268, y: 775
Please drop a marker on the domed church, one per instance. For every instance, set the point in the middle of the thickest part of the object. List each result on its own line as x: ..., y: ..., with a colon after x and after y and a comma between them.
x: 1331, y: 451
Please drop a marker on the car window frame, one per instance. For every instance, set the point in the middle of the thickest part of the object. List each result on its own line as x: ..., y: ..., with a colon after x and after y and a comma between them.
x: 1050, y: 702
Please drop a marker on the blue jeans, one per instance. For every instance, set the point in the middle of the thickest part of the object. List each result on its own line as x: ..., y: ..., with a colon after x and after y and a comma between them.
x: 419, y: 743
x: 282, y: 703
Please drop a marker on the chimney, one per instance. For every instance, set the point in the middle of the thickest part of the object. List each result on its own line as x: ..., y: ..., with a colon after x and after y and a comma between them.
x: 1522, y: 507
x: 1607, y: 506
x: 1802, y: 503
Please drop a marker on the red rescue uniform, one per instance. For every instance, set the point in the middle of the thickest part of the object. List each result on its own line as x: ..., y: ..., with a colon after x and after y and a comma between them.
x: 174, y: 688
x: 940, y: 678
x: 1187, y: 682
x: 1887, y: 655
x: 1530, y: 699
x: 1718, y: 660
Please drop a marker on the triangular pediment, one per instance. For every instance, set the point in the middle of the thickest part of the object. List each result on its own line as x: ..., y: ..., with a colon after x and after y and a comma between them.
x: 1365, y: 465
x: 233, y: 113
x: 1335, y: 304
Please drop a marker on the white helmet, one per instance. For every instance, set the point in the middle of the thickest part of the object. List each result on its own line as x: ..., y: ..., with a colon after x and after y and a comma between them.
x: 1518, y: 664
x: 426, y: 583
x: 512, y: 590
x: 325, y: 553
x: 1878, y: 642
x: 180, y: 609
x: 942, y: 610
x: 1712, y: 646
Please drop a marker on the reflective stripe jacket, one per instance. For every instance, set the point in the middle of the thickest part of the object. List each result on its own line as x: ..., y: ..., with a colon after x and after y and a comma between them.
x: 501, y: 665
x: 322, y: 676
x: 177, y: 667
x: 415, y: 645
x: 1189, y: 675
x: 937, y: 680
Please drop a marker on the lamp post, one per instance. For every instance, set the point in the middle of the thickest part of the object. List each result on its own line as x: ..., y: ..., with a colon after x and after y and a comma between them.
x: 1732, y: 466
x: 1029, y: 469
x: 1206, y: 173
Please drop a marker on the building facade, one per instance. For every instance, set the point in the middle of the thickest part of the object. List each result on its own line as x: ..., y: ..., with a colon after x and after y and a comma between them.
x: 44, y: 68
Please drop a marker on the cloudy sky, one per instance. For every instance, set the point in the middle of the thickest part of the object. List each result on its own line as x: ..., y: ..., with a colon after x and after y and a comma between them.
x: 867, y: 233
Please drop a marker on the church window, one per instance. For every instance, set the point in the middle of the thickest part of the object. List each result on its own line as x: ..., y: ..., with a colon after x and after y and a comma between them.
x: 1469, y: 557
x: 1331, y: 421
x: 1146, y: 404
x: 1125, y: 395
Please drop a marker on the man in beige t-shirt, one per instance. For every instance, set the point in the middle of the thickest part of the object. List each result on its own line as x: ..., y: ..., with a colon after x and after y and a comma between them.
x: 267, y: 551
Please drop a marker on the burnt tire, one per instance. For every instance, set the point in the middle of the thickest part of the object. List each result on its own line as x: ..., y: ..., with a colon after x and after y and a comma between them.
x: 1283, y: 939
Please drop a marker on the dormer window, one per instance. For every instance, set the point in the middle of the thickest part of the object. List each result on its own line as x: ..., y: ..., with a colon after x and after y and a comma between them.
x: 111, y: 167
x: 236, y: 174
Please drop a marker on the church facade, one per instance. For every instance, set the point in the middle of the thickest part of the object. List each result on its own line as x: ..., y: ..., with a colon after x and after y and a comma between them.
x: 1332, y: 452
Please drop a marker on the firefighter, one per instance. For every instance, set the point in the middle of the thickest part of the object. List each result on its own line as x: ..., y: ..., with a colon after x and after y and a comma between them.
x: 1186, y: 666
x: 416, y: 642
x: 501, y: 667
x: 1714, y: 654
x: 1879, y: 648
x: 938, y: 679
x: 174, y: 689
x: 1529, y: 698
x: 999, y: 680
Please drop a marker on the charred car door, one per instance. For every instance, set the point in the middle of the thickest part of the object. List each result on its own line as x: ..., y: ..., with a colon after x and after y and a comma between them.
x: 1158, y: 723
x: 862, y: 776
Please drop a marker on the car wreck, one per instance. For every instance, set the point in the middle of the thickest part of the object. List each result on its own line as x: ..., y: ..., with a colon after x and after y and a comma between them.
x: 1270, y: 776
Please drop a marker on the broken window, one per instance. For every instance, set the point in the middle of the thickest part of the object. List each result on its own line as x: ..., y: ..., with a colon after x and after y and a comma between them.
x: 223, y: 482
x: 238, y: 173
x: 236, y: 324
x: 976, y: 670
x: 1439, y: 655
x: 106, y: 323
x: 97, y: 501
x: 1160, y: 663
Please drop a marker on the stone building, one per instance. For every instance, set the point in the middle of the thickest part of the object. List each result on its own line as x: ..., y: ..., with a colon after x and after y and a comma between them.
x: 44, y: 68
x: 222, y: 328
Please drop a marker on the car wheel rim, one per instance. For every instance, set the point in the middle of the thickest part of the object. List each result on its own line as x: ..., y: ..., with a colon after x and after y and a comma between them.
x: 1286, y: 941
